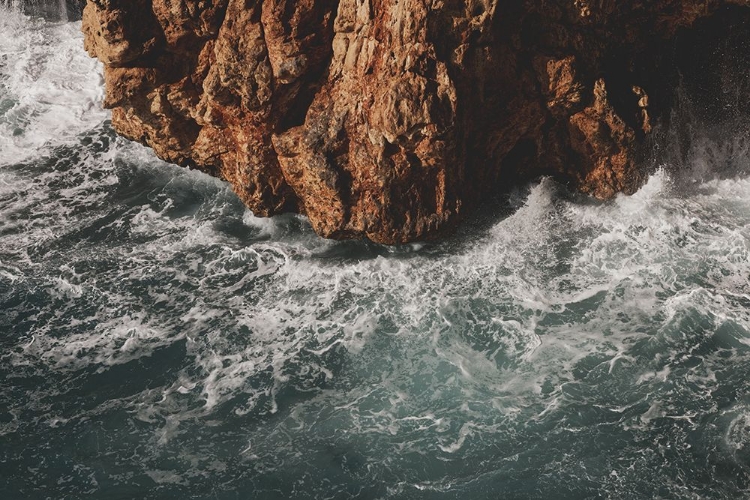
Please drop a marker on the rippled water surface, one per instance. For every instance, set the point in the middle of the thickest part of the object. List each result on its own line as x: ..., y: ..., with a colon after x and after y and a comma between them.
x: 159, y: 341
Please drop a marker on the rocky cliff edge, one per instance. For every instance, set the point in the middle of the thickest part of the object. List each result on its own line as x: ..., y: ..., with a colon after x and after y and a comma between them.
x: 392, y: 119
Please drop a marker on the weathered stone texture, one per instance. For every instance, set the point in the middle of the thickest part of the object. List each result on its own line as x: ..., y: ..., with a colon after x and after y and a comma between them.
x: 389, y: 119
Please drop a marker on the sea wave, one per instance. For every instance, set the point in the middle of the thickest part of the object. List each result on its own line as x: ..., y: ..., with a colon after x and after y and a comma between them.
x: 175, y: 341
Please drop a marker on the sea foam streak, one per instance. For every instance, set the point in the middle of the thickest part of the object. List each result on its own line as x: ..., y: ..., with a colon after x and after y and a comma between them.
x: 49, y: 89
x: 179, y: 344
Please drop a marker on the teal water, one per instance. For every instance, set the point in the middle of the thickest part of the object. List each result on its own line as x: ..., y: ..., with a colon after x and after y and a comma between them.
x: 159, y: 341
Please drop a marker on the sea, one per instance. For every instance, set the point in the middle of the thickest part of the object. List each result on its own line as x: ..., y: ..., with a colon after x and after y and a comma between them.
x: 159, y: 341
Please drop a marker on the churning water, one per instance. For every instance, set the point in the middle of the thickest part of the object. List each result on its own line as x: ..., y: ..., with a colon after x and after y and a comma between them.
x: 158, y: 341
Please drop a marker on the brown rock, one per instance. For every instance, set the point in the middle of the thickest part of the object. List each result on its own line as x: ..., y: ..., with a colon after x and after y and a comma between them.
x: 390, y: 119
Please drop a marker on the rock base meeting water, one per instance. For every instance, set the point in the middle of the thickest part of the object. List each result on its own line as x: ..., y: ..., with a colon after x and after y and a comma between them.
x: 159, y: 341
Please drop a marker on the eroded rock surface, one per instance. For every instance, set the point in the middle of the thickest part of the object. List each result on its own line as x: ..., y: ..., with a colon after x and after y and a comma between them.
x: 391, y: 119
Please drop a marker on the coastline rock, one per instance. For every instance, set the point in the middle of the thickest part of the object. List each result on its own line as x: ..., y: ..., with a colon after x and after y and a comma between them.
x: 392, y: 119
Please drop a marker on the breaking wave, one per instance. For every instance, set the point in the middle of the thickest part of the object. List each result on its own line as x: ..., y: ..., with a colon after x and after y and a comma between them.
x: 160, y: 340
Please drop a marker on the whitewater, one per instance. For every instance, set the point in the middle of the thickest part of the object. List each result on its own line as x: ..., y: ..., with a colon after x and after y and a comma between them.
x: 159, y: 341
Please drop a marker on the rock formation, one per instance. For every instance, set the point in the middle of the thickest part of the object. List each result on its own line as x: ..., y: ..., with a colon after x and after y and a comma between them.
x: 392, y: 119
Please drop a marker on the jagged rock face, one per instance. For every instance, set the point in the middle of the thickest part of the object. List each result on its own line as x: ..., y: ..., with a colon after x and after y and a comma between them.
x: 390, y: 119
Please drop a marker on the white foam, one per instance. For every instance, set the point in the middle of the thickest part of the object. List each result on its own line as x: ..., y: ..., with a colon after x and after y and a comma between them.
x: 560, y: 305
x: 50, y: 89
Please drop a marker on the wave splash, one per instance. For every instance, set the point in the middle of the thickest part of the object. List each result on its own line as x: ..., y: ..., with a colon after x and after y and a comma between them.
x: 52, y: 10
x: 175, y: 342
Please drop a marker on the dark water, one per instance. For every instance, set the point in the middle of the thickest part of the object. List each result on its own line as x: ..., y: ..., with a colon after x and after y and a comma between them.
x: 158, y: 341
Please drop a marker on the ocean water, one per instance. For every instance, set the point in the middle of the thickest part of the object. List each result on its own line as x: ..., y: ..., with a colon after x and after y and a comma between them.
x: 159, y: 341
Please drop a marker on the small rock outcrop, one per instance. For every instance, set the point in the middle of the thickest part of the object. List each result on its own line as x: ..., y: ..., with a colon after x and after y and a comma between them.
x: 392, y: 119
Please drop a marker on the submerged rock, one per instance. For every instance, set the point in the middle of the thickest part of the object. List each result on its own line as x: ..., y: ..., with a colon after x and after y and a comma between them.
x: 391, y: 119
